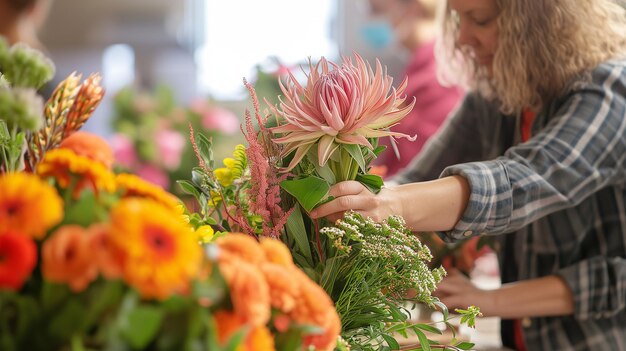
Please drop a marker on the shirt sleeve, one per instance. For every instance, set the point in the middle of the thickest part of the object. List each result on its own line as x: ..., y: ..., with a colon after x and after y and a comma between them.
x: 455, y: 142
x: 598, y: 286
x: 581, y: 150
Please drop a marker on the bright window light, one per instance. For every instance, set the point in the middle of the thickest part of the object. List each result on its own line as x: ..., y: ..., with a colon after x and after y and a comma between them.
x: 241, y: 34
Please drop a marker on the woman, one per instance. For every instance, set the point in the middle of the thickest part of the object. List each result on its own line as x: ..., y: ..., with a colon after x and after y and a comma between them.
x: 538, y: 149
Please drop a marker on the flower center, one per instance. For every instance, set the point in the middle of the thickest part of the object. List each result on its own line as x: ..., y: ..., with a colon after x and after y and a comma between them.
x: 12, y: 208
x: 159, y: 241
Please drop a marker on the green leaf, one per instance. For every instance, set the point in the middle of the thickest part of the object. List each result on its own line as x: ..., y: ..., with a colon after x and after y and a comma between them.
x: 379, y: 149
x: 464, y: 345
x: 295, y: 228
x: 84, y: 211
x: 325, y: 172
x: 373, y: 182
x: 109, y: 294
x: 68, y: 320
x: 444, y: 310
x: 204, y: 148
x: 330, y: 274
x: 308, y: 191
x: 211, y: 341
x: 429, y: 328
x: 391, y: 341
x: 52, y: 295
x: 142, y: 325
x: 198, y: 176
x: 355, y: 151
x: 236, y: 340
x: 424, y: 343
x: 189, y: 188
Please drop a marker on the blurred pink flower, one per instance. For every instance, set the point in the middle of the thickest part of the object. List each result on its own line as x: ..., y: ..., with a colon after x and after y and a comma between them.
x: 153, y: 175
x: 343, y: 105
x: 170, y: 145
x: 216, y: 118
x: 123, y: 150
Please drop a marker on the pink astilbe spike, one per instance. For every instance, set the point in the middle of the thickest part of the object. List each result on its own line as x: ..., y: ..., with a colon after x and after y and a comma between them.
x: 192, y: 138
x: 264, y: 192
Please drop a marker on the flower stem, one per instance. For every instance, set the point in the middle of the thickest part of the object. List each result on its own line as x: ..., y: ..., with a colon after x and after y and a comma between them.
x: 319, y: 240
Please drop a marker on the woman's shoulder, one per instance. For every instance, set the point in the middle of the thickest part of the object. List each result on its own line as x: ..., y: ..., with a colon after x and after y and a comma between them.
x: 611, y: 70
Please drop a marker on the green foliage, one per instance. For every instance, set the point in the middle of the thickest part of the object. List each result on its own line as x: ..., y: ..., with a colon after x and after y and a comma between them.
x: 110, y: 316
x: 22, y: 71
x: 309, y: 191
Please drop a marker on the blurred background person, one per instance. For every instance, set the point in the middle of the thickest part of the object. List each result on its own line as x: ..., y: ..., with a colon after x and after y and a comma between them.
x: 20, y: 20
x: 411, y: 24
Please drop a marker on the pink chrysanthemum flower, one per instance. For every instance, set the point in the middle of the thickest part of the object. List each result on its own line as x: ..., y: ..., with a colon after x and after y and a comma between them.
x: 344, y: 104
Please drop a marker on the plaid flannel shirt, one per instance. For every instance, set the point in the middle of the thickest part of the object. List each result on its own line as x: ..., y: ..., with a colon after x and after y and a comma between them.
x: 562, y: 193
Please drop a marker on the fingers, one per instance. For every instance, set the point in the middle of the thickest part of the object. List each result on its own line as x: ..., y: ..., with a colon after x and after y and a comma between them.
x: 339, y: 206
x: 349, y: 196
x: 350, y: 187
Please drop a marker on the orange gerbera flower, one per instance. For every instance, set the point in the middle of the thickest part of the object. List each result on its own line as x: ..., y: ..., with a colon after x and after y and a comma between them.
x: 28, y: 204
x: 18, y: 256
x: 249, y: 292
x: 66, y: 258
x: 133, y: 186
x: 161, y: 253
x: 276, y: 252
x: 315, y: 307
x: 284, y: 290
x: 107, y: 256
x: 91, y: 146
x: 241, y: 246
x: 64, y: 165
x: 229, y: 323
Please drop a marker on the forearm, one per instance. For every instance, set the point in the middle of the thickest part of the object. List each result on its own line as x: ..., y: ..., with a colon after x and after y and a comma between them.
x: 435, y: 205
x: 541, y: 297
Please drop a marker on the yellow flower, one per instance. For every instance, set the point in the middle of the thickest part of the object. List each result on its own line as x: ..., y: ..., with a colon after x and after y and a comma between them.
x: 234, y: 167
x: 28, y: 204
x: 180, y: 208
x: 205, y: 234
x: 133, y: 186
x: 64, y: 164
x: 216, y: 199
x: 224, y: 176
x: 161, y: 253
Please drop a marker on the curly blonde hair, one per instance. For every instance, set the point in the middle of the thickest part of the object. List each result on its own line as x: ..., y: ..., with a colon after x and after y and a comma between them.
x: 545, y: 47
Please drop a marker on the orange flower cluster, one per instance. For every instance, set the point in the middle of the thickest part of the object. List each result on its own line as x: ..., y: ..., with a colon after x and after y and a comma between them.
x: 90, y: 146
x: 262, y: 277
x: 140, y: 239
x: 78, y: 172
x: 28, y: 208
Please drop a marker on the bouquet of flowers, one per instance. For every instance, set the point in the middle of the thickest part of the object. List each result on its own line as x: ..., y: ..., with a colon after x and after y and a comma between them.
x: 322, y: 133
x: 150, y: 129
x: 93, y: 260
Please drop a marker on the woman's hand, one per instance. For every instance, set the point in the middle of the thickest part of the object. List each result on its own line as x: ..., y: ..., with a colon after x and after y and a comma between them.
x: 457, y: 291
x: 426, y: 206
x: 352, y: 195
